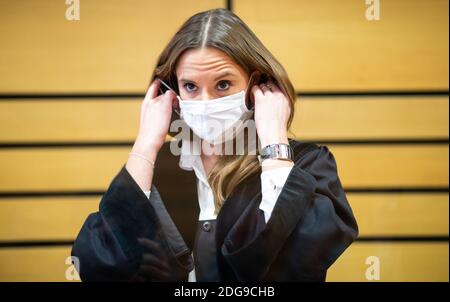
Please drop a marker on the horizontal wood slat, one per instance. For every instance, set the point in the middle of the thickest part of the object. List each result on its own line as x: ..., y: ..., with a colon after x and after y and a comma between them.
x: 93, y: 168
x: 112, y: 48
x: 324, y: 45
x: 371, y: 118
x: 49, y: 218
x: 392, y: 165
x: 379, y: 215
x: 34, y: 264
x: 399, y: 262
x: 407, y: 262
x: 330, y: 45
x: 316, y: 118
x: 401, y: 214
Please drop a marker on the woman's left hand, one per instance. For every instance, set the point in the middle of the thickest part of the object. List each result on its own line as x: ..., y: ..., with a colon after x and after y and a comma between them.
x: 272, y: 112
x: 154, y: 265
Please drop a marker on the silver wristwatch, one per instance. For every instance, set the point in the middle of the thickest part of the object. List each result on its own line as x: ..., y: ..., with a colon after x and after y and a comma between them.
x: 276, y: 151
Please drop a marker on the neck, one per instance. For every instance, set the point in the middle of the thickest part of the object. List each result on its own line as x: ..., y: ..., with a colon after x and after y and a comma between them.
x: 208, y: 157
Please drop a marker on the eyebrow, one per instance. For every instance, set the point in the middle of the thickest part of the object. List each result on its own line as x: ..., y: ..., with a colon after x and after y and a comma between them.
x: 186, y: 80
x: 227, y: 73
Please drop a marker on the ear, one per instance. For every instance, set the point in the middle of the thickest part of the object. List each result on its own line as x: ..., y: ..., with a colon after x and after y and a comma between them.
x: 264, y: 78
x: 254, y: 79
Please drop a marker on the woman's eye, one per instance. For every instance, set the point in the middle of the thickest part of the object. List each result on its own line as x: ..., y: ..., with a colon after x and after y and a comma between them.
x: 223, y: 85
x: 189, y: 87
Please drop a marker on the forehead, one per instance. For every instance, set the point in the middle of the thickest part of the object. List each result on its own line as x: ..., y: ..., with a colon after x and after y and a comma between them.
x: 203, y: 62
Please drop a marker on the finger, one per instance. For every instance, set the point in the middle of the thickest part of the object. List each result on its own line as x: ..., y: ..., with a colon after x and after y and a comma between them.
x: 152, y: 272
x: 280, y: 88
x: 166, y: 97
x: 257, y: 93
x: 175, y: 103
x: 153, y: 246
x: 169, y: 97
x: 149, y: 259
x: 273, y: 86
x: 152, y: 91
x: 277, y: 91
x: 264, y: 88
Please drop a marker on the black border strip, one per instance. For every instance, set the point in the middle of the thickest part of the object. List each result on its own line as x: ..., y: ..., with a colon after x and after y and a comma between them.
x: 87, y: 193
x: 43, y: 243
x: 120, y: 95
x: 43, y: 194
x: 77, y: 144
x: 382, y: 141
x: 404, y: 190
x: 378, y: 239
x: 72, y: 144
x: 229, y: 5
x: 68, y: 96
x: 368, y: 93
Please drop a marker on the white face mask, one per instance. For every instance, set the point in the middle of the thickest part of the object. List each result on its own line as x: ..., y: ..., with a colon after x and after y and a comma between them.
x: 217, y: 120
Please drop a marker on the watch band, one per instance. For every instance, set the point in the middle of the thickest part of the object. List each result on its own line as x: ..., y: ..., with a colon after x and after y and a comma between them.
x: 277, y: 151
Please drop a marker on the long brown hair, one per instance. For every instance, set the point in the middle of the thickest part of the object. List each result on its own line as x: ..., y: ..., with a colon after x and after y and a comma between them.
x: 223, y: 30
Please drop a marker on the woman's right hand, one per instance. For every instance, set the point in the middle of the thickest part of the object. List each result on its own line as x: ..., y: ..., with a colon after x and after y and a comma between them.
x: 156, y: 113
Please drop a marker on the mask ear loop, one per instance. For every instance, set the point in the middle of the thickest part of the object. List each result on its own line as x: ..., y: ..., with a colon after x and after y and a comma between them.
x: 168, y: 87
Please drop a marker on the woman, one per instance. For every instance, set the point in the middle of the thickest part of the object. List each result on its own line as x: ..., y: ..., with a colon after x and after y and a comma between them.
x: 281, y: 215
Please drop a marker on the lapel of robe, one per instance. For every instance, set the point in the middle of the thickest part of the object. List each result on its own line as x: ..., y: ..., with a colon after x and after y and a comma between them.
x: 247, y: 194
x: 245, y: 201
x: 178, y: 190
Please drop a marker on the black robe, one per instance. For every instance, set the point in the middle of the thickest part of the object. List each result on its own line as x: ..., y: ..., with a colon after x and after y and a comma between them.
x: 310, y: 226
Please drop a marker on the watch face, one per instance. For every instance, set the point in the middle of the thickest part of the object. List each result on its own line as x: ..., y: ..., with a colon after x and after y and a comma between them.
x: 280, y: 151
